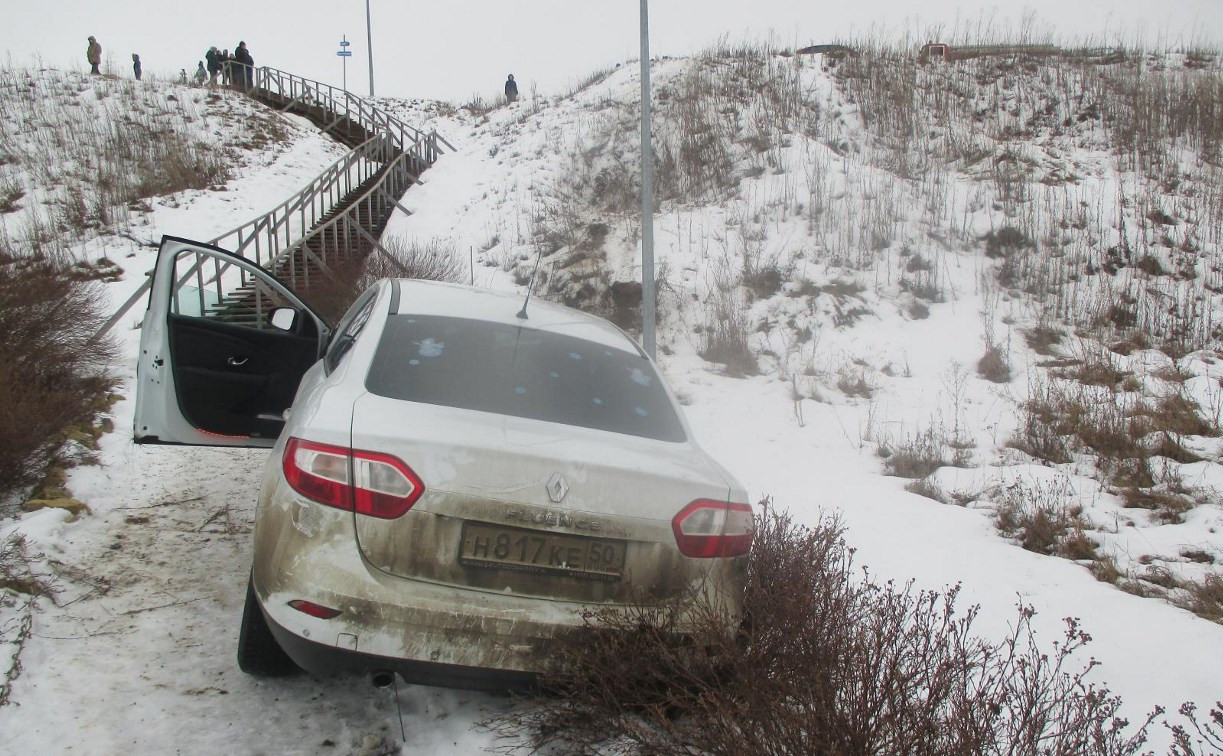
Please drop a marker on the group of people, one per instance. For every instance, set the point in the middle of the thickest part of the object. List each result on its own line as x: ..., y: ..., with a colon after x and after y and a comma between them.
x: 233, y: 70
x: 236, y: 70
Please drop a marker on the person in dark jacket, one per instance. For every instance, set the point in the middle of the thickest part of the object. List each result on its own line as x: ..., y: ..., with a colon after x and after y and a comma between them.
x: 136, y: 66
x: 244, y: 74
x: 227, y: 75
x: 511, y: 89
x: 93, y: 54
x: 213, y: 59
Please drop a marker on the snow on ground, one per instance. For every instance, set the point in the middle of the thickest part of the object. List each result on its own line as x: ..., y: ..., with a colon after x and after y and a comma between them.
x: 137, y: 655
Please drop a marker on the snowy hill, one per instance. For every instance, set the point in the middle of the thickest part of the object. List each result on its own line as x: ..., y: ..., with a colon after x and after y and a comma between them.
x: 971, y: 310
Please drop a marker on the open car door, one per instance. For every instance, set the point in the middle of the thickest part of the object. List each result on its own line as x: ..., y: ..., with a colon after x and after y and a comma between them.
x: 222, y: 350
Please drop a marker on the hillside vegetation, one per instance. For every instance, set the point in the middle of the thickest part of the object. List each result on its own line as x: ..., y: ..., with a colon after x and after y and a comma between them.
x: 81, y: 158
x: 1072, y: 200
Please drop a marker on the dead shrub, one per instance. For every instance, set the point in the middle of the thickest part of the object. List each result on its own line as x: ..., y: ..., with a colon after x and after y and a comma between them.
x: 1077, y: 546
x: 1178, y: 414
x: 53, y: 375
x: 763, y: 280
x: 1205, y: 599
x: 925, y: 487
x: 852, y: 382
x: 432, y: 260
x: 21, y: 586
x: 1165, y: 507
x: 1037, y: 517
x: 1166, y: 446
x: 1097, y: 370
x: 1006, y: 242
x: 827, y: 661
x: 1207, y: 735
x: 1105, y: 569
x: 916, y: 457
x: 1150, y: 265
x: 1042, y: 339
x: 1201, y: 556
x: 725, y: 333
x: 994, y: 365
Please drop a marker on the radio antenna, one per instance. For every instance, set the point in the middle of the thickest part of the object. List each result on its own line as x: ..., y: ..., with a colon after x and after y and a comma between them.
x: 522, y: 314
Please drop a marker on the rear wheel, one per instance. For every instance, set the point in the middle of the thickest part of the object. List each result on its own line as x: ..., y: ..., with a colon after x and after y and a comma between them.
x: 258, y: 652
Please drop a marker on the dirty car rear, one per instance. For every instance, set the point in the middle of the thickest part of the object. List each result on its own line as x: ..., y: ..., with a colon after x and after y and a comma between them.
x: 459, y: 484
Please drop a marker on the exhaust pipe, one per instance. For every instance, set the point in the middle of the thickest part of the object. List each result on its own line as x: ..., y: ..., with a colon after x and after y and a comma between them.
x: 382, y: 678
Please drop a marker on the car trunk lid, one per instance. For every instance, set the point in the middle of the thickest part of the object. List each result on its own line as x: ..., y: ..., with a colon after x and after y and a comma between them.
x: 531, y: 507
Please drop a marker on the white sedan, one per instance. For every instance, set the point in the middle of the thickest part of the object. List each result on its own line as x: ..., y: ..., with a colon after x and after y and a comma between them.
x: 454, y: 476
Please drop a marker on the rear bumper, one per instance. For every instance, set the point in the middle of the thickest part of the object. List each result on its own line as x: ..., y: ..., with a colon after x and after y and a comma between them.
x: 326, y: 661
x: 428, y: 632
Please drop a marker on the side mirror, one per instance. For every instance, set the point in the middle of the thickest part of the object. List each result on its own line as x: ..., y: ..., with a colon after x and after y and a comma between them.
x: 284, y: 318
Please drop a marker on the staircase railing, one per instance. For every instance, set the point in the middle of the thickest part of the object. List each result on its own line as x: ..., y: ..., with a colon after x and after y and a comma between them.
x: 267, y: 237
x: 338, y: 236
x: 343, y: 104
x: 398, y: 150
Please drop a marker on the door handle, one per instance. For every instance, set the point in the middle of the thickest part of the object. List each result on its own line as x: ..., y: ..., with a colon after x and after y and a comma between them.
x: 237, y: 361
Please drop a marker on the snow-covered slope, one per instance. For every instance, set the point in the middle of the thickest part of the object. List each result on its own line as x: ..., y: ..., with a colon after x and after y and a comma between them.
x: 853, y: 346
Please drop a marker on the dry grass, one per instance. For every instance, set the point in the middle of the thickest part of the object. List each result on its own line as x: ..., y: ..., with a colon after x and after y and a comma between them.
x: 916, y: 457
x: 432, y: 260
x: 99, y: 147
x: 1039, y: 518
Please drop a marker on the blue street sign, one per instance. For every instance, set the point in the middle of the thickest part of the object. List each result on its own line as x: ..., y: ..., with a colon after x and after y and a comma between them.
x: 344, y: 54
x: 345, y: 43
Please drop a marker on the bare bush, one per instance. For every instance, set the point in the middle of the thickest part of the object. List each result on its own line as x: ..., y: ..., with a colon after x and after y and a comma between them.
x: 725, y: 331
x: 994, y: 365
x: 916, y: 457
x: 432, y: 260
x: 1200, y: 737
x: 826, y: 662
x: 53, y: 375
x: 1037, y: 516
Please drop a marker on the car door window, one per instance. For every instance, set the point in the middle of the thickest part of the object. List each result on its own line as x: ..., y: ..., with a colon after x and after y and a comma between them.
x: 206, y: 286
x: 235, y: 372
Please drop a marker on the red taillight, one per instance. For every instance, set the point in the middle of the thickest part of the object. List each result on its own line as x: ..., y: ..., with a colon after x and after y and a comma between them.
x: 366, y: 482
x: 707, y: 529
x: 313, y: 609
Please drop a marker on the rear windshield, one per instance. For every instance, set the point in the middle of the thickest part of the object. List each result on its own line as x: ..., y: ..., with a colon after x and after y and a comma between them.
x: 516, y: 370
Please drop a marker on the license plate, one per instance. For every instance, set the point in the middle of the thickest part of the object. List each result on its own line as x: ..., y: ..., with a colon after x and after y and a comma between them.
x: 486, y: 545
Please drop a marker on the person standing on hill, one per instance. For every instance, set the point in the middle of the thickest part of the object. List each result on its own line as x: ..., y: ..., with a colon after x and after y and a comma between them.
x: 511, y: 89
x: 244, y: 76
x: 93, y: 54
x: 226, y: 74
x: 136, y: 66
x: 201, y: 75
x: 213, y: 59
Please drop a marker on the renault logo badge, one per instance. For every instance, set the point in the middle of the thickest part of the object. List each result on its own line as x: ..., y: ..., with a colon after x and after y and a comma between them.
x: 557, y: 488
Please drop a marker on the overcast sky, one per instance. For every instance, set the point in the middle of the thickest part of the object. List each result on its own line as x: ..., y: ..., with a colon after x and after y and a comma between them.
x: 457, y: 50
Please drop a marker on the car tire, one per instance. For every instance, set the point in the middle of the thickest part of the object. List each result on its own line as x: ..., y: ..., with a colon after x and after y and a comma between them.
x: 258, y: 652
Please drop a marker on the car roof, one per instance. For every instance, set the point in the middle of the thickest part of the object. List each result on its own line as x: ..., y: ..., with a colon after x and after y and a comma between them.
x: 417, y: 297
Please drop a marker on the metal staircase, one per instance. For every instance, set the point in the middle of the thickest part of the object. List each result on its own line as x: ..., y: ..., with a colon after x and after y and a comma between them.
x: 316, y: 240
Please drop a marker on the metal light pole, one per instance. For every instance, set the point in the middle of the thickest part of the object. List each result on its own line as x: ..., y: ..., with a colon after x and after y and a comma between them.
x: 369, y: 44
x: 647, y: 193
